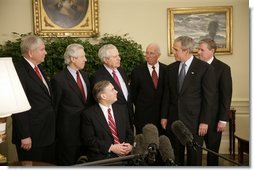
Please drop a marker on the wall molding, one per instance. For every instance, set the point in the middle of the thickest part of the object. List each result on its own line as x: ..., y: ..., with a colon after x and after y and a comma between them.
x: 242, y: 116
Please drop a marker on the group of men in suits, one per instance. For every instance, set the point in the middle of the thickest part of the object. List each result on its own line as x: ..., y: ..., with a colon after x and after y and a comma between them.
x: 154, y: 91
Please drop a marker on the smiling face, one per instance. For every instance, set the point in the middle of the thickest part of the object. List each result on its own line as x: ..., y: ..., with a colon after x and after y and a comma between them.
x: 152, y: 54
x: 204, y: 52
x: 37, y: 54
x: 113, y: 61
x: 79, y: 61
x: 109, y: 94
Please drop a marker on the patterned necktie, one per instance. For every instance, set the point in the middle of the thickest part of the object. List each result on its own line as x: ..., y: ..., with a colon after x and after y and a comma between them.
x: 36, y: 69
x: 80, y: 85
x: 116, y: 79
x: 112, y: 127
x: 181, y: 76
x: 154, y: 77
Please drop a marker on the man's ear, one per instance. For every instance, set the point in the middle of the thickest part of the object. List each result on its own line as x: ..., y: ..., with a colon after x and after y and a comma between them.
x: 103, y: 96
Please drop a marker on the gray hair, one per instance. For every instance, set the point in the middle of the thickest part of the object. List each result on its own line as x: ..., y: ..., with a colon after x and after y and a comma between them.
x: 99, y: 88
x: 157, y: 47
x: 30, y: 42
x: 186, y: 42
x: 104, y: 51
x: 71, y: 51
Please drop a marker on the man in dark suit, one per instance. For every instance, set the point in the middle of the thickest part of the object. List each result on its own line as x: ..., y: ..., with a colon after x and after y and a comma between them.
x: 105, y: 129
x: 147, y: 89
x: 190, y: 101
x: 34, y: 130
x: 70, y: 101
x: 206, y: 50
x: 112, y: 72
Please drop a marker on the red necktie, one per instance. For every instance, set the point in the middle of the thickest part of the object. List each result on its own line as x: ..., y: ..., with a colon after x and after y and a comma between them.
x: 154, y: 77
x: 116, y: 79
x: 112, y: 127
x: 36, y: 69
x: 80, y: 85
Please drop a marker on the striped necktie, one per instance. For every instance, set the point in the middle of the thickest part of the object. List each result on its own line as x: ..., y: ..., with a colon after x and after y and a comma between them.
x: 112, y: 127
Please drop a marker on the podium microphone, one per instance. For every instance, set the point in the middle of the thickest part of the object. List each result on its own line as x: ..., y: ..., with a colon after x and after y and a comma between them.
x: 186, y: 138
x: 166, y: 151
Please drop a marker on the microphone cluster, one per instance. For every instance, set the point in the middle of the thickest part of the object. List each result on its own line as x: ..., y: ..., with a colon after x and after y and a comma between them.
x: 155, y: 150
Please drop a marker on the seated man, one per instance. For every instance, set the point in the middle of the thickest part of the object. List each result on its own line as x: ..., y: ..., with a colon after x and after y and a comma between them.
x: 105, y: 129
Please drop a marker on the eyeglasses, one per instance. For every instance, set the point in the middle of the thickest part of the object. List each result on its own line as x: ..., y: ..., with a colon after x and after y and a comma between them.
x: 150, y: 53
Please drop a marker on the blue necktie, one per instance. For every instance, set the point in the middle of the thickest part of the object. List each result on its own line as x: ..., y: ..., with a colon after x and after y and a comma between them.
x: 181, y: 76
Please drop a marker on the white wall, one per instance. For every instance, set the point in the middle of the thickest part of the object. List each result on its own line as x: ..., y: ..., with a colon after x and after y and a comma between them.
x: 146, y: 21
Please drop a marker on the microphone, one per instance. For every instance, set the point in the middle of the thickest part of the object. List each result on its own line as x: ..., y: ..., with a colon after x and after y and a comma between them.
x: 151, y: 135
x: 166, y: 151
x: 182, y: 133
x: 186, y: 138
x: 151, y: 143
x: 138, y: 146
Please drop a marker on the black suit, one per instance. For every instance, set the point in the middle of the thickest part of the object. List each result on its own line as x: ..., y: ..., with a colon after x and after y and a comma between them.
x: 37, y: 123
x: 103, y: 74
x: 69, y: 104
x: 221, y: 108
x: 192, y: 105
x: 147, y: 99
x: 96, y: 134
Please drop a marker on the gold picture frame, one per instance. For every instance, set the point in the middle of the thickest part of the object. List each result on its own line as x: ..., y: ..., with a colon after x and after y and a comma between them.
x: 63, y: 18
x: 199, y: 23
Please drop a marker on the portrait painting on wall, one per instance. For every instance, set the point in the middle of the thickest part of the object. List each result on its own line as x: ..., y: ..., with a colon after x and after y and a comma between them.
x: 66, y: 13
x: 61, y: 18
x: 200, y: 23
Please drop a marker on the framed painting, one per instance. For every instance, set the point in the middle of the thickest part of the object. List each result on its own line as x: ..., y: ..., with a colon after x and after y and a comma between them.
x: 199, y: 23
x: 63, y: 18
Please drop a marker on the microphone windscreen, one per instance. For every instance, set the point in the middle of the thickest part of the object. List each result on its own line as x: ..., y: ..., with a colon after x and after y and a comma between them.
x: 139, y: 147
x: 182, y: 132
x: 165, y: 149
x: 151, y: 135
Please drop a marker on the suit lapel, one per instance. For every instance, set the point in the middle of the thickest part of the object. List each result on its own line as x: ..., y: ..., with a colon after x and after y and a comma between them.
x: 33, y: 75
x: 109, y: 77
x: 71, y: 81
x: 189, y: 74
x: 102, y: 120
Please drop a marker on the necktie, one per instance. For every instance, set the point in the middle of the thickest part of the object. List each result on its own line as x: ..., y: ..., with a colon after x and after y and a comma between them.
x: 112, y: 127
x: 80, y: 85
x: 154, y: 77
x: 116, y: 79
x: 181, y: 76
x: 36, y: 69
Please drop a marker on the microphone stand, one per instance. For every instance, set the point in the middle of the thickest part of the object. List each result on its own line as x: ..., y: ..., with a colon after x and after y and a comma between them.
x: 110, y: 161
x: 194, y: 144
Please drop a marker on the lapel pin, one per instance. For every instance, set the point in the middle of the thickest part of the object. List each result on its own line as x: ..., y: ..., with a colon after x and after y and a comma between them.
x: 192, y: 73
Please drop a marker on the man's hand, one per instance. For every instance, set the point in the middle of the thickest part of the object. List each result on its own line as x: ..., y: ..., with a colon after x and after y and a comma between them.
x: 202, y: 131
x: 26, y: 143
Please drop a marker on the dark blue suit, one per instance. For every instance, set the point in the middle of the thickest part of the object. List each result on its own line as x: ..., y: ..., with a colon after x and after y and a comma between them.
x: 96, y: 134
x: 38, y: 122
x: 69, y: 104
x: 192, y: 105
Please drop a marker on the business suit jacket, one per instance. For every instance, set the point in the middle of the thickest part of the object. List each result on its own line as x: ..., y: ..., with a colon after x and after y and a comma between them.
x: 103, y: 74
x: 147, y: 99
x: 69, y: 104
x: 192, y: 105
x: 96, y: 134
x: 221, y: 108
x: 38, y: 122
